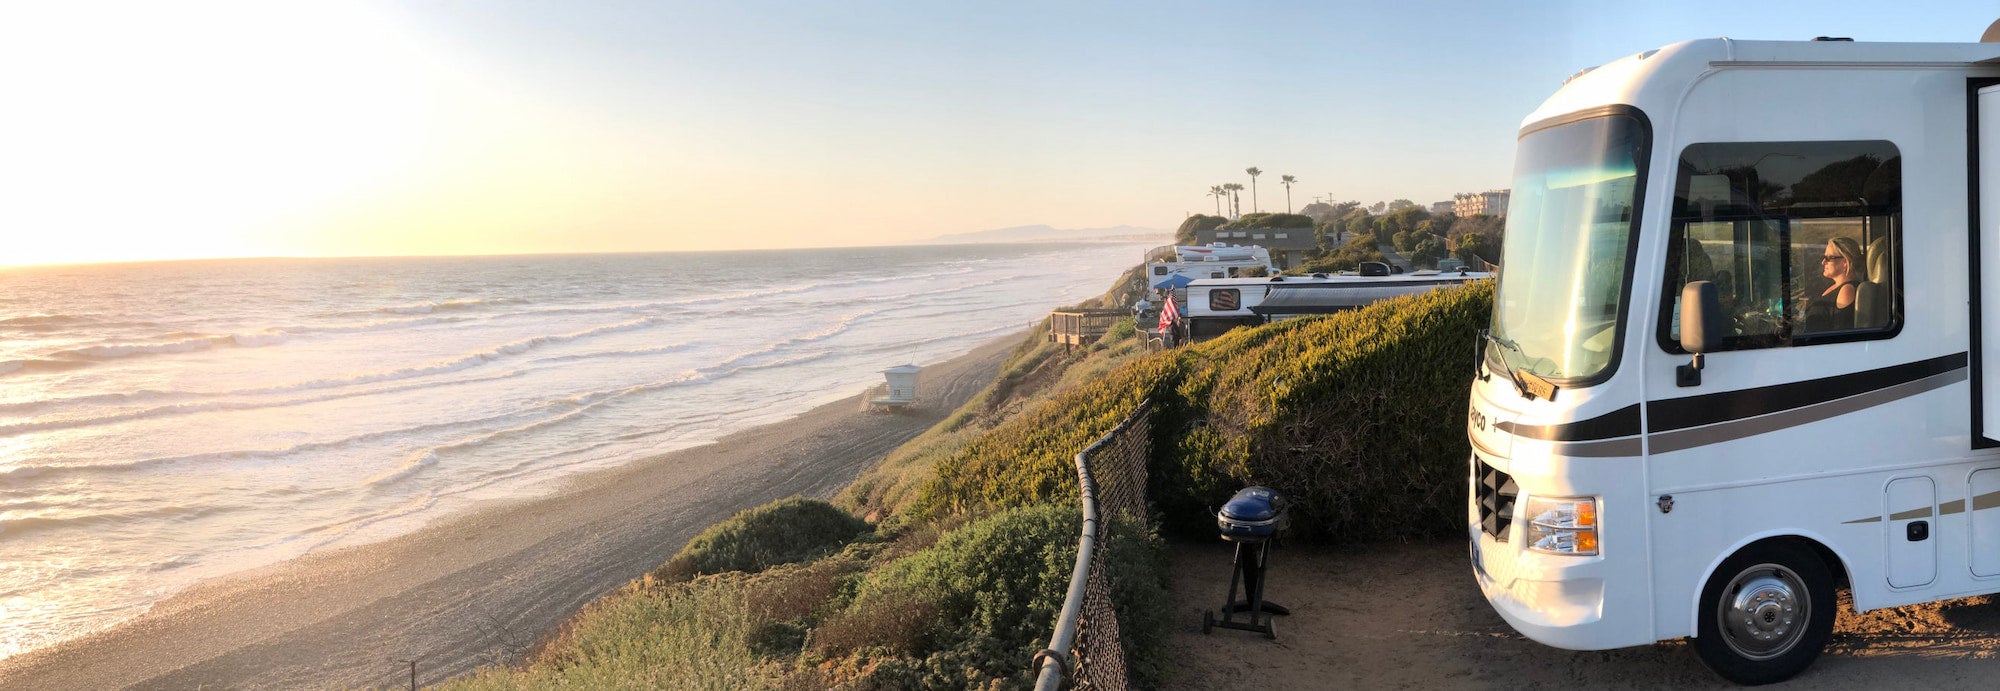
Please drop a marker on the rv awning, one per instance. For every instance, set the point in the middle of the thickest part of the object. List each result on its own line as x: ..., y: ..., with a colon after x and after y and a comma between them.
x: 1284, y: 302
x: 1172, y: 282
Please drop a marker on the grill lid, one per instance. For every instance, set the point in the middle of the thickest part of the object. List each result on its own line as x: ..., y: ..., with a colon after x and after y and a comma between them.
x: 1253, y: 512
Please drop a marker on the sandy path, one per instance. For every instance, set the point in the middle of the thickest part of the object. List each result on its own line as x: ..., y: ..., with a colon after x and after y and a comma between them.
x: 1410, y: 617
x: 485, y: 585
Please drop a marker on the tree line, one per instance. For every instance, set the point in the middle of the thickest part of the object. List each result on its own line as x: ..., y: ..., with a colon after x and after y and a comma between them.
x: 1347, y: 233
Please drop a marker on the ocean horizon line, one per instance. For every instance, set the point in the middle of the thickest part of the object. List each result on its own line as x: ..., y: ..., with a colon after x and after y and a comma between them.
x: 930, y: 242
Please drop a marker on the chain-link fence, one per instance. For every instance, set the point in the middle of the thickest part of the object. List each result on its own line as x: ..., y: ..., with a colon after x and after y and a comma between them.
x: 1086, y: 649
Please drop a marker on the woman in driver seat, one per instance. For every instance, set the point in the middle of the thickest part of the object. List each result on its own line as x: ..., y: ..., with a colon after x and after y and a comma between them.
x: 1833, y: 309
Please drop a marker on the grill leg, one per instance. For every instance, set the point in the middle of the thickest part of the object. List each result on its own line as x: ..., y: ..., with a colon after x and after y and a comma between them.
x: 1230, y: 602
x: 1248, y: 570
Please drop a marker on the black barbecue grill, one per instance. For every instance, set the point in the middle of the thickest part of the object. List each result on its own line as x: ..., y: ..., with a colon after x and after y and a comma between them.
x: 1250, y: 519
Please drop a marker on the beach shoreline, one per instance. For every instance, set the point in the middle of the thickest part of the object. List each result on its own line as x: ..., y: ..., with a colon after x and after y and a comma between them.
x: 484, y: 585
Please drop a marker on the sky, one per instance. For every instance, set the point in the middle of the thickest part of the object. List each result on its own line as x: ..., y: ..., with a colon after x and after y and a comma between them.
x: 143, y: 131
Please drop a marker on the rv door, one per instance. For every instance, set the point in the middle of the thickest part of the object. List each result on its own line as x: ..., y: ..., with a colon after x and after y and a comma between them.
x: 1986, y: 232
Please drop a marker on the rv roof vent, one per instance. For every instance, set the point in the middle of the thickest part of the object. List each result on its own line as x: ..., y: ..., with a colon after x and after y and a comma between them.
x: 1833, y: 38
x: 1277, y: 279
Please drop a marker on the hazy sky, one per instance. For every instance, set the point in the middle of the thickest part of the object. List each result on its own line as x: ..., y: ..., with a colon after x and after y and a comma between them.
x: 168, y: 130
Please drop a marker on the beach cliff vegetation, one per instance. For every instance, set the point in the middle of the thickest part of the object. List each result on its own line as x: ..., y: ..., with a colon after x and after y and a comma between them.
x: 976, y: 521
x: 781, y: 532
x: 1345, y: 413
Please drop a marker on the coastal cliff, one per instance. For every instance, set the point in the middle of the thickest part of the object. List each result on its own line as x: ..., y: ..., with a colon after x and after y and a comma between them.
x: 972, y: 525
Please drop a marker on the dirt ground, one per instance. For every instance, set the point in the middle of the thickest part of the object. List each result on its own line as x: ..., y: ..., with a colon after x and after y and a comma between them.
x: 1410, y: 616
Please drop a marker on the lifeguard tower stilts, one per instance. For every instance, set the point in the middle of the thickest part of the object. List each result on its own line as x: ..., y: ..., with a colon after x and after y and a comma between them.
x: 902, y: 388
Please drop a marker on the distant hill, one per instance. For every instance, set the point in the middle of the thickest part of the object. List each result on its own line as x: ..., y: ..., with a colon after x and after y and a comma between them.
x: 1042, y: 233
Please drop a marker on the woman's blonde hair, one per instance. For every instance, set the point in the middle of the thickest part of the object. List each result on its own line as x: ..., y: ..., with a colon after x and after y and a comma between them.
x: 1851, y: 249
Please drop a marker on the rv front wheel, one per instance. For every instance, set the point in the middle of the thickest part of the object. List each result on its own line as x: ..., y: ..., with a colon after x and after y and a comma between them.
x: 1766, y: 613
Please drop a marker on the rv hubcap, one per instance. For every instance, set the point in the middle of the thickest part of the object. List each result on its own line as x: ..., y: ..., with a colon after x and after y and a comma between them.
x: 1763, y: 611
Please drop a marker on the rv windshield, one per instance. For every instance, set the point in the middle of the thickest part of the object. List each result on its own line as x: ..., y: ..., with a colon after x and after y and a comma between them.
x: 1570, y: 227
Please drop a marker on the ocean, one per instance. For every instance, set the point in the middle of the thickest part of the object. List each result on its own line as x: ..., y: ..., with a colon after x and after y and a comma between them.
x: 169, y: 422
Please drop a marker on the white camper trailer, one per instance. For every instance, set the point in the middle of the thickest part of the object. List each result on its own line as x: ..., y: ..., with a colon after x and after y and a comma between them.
x: 1745, y: 350
x: 1194, y: 262
x: 1216, y: 305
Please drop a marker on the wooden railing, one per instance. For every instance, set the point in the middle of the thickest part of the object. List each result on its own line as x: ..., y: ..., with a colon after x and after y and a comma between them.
x: 1082, y: 327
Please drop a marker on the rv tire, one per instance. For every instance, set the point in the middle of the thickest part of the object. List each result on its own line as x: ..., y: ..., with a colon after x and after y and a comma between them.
x: 1765, y: 613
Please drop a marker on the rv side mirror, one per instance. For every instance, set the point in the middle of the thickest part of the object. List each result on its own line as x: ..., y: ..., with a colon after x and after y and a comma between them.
x: 1701, y: 326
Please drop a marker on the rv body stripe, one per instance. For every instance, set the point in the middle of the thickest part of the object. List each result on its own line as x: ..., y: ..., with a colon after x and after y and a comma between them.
x: 1614, y: 448
x: 1623, y: 422
x: 1979, y: 503
x: 1804, y: 415
x: 1695, y: 411
x: 1679, y: 424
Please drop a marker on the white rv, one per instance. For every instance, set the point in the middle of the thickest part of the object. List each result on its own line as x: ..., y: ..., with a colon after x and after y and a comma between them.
x: 1745, y: 350
x: 1193, y: 262
x: 1216, y: 305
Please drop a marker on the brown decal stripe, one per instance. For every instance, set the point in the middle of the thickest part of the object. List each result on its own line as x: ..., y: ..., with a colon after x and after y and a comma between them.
x: 1979, y: 503
x: 1695, y: 411
x: 1623, y: 422
x: 1737, y: 429
x: 1614, y: 448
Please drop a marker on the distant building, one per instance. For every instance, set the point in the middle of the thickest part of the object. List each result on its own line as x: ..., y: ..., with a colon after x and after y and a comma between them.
x: 1490, y: 202
x: 1288, y: 246
x: 1441, y: 208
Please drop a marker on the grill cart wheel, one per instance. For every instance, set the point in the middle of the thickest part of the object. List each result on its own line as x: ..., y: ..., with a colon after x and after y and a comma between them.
x: 1765, y: 614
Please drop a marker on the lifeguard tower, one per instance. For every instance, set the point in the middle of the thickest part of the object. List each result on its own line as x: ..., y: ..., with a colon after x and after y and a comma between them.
x: 902, y: 388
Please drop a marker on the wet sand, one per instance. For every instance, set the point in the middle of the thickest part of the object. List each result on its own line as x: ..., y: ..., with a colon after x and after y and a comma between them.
x: 485, y: 585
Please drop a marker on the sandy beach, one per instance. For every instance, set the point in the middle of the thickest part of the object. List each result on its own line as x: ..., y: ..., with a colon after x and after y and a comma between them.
x: 485, y: 585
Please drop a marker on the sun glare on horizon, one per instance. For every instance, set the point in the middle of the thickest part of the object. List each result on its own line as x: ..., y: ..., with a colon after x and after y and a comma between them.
x: 167, y: 131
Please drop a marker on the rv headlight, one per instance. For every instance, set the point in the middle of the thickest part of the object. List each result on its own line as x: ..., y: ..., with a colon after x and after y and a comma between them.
x: 1562, y: 525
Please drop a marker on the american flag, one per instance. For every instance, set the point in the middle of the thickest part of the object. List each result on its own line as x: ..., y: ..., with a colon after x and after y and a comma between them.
x: 1169, y: 315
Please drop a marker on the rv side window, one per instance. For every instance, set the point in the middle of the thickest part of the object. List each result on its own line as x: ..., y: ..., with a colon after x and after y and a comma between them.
x: 1801, y: 239
x: 1224, y: 300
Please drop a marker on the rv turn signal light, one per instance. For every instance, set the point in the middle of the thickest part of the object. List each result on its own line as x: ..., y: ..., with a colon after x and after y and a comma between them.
x: 1562, y: 525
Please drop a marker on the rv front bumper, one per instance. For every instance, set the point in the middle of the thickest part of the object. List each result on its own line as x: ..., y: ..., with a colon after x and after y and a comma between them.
x: 1556, y: 600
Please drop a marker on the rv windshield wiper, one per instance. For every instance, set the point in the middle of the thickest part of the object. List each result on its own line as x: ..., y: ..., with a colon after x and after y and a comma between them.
x: 1512, y: 375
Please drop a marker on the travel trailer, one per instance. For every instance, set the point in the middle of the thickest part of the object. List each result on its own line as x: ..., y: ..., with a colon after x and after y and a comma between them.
x: 1208, y: 261
x: 1745, y: 349
x: 1216, y: 305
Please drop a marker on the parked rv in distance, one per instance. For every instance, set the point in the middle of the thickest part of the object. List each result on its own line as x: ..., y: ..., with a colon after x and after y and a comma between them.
x: 1216, y: 305
x: 1215, y: 260
x: 1721, y: 381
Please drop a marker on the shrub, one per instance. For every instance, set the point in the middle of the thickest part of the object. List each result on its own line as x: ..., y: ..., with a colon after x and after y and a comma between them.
x: 1358, y: 417
x: 781, y: 532
x: 973, y: 609
x: 1191, y: 229
x: 685, y: 635
x: 1122, y: 330
x: 1269, y: 220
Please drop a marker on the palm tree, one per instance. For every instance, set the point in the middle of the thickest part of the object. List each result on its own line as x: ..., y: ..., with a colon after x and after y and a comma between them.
x: 1287, y: 181
x: 1236, y: 200
x: 1254, y: 172
x: 1216, y: 191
